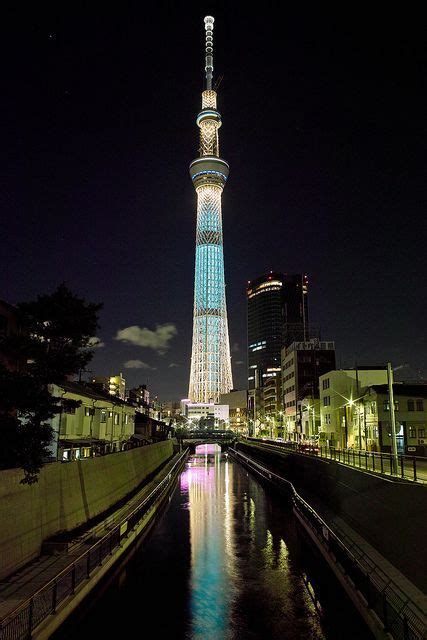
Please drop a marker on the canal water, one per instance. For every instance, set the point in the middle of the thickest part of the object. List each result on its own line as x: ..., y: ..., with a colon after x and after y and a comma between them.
x: 224, y: 561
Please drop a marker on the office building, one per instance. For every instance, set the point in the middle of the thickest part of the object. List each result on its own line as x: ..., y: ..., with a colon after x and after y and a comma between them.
x: 302, y: 365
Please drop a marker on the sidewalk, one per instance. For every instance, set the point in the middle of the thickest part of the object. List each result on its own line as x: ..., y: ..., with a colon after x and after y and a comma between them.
x: 27, y: 581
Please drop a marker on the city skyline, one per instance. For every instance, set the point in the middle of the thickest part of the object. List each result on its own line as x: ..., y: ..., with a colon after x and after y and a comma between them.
x: 327, y: 156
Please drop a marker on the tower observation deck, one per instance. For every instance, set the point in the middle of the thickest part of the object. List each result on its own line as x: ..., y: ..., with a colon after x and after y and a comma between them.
x: 210, y: 373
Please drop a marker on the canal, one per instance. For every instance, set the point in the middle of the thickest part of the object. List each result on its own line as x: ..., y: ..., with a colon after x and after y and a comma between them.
x: 225, y: 560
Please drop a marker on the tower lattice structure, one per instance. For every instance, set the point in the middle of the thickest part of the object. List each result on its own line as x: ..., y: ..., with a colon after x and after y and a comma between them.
x: 210, y: 373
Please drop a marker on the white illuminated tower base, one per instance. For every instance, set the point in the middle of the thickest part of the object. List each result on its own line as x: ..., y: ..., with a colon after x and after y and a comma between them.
x: 210, y: 360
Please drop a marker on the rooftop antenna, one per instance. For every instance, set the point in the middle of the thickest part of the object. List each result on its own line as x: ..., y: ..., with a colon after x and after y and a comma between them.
x: 209, y: 25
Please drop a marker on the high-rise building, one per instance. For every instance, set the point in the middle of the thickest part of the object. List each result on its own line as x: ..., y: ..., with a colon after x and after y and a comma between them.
x: 295, y: 308
x: 277, y: 316
x: 265, y: 326
x: 210, y: 373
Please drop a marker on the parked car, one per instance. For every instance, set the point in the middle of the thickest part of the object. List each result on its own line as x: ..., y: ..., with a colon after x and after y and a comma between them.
x: 309, y: 448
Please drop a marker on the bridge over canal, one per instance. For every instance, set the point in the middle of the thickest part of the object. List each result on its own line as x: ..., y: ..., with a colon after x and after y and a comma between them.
x: 193, y: 439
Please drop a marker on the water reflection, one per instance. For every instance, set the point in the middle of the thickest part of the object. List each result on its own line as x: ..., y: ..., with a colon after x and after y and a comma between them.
x: 223, y: 563
x: 206, y: 482
x: 242, y: 582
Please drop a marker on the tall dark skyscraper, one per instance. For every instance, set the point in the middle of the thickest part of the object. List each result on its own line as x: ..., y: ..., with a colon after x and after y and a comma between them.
x: 277, y: 316
x: 265, y: 326
x: 295, y: 308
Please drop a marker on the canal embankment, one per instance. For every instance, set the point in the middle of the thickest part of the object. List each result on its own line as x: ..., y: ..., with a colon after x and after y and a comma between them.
x: 67, y: 496
x: 389, y: 514
x: 387, y: 600
x: 226, y: 561
x: 37, y: 599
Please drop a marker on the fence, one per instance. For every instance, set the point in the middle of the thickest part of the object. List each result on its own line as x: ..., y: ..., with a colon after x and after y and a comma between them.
x: 27, y: 616
x: 412, y: 468
x: 399, y: 615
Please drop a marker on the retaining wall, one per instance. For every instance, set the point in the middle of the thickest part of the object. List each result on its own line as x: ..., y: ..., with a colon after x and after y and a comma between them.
x: 66, y: 496
x: 390, y: 515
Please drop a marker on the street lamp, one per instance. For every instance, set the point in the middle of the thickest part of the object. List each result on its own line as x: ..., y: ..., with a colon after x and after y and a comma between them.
x: 392, y: 416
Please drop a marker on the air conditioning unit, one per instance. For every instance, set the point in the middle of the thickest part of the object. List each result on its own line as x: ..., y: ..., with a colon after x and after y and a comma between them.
x: 421, y: 441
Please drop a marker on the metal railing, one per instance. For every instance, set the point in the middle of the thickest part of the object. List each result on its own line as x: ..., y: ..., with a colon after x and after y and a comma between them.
x: 401, y: 617
x: 20, y: 622
x: 412, y: 468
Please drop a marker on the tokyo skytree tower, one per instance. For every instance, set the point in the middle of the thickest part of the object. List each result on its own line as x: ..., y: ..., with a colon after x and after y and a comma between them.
x: 210, y: 360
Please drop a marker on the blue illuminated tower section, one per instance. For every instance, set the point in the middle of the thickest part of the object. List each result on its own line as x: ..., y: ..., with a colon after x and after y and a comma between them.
x: 210, y: 360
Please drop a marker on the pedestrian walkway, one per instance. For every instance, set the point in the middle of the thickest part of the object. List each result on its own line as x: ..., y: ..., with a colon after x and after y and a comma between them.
x: 29, y: 580
x: 413, y: 468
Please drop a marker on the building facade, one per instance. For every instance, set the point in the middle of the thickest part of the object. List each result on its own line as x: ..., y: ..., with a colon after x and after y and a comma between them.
x: 265, y: 326
x: 310, y: 419
x: 210, y: 373
x: 114, y: 385
x: 101, y: 424
x: 205, y: 414
x: 237, y: 402
x: 410, y: 406
x: 141, y: 397
x: 341, y: 406
x: 277, y: 305
x: 302, y: 365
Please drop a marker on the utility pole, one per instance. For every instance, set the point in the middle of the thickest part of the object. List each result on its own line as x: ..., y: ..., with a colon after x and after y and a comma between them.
x: 392, y: 417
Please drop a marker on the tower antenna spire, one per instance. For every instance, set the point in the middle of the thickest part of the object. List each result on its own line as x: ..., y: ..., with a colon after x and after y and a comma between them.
x: 209, y: 25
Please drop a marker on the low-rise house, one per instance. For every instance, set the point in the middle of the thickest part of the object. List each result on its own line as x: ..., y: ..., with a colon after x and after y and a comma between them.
x: 410, y: 406
x: 102, y: 423
x: 341, y: 409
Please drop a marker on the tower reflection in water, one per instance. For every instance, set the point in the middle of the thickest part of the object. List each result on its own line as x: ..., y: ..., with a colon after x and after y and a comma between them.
x: 243, y: 582
x: 207, y: 481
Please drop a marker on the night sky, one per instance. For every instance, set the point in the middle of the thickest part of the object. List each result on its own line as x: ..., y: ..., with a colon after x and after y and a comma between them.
x: 323, y: 127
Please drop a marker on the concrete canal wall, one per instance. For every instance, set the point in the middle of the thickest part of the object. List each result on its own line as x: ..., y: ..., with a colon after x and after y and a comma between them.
x: 66, y: 496
x: 390, y: 515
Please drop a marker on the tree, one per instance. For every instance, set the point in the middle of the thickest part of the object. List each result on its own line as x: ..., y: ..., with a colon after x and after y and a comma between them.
x: 56, y: 332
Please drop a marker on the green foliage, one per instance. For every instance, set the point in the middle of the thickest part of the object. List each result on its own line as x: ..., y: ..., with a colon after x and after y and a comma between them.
x: 53, y: 343
x: 54, y: 340
x: 25, y: 445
